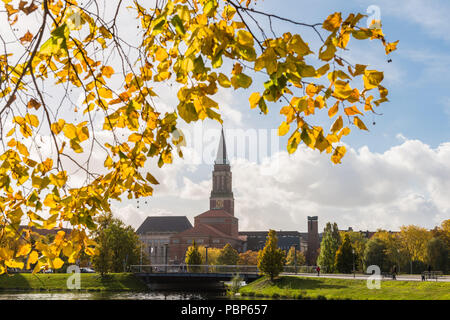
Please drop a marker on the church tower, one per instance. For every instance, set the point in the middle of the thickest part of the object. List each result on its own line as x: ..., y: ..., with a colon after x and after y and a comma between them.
x: 222, y: 194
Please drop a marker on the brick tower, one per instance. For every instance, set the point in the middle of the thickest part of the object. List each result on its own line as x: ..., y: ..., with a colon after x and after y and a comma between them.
x: 222, y: 194
x: 313, y: 241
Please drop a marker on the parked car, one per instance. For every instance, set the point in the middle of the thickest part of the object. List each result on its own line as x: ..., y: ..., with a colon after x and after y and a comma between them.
x: 87, y: 270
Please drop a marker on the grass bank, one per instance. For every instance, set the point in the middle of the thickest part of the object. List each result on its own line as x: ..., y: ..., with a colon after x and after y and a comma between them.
x: 58, y: 282
x: 325, y: 288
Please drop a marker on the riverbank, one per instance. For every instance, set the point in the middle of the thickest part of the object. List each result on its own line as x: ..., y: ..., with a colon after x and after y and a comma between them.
x: 58, y: 282
x: 294, y: 287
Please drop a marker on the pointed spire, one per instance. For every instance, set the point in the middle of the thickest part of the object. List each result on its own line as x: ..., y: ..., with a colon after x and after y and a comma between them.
x: 222, y: 151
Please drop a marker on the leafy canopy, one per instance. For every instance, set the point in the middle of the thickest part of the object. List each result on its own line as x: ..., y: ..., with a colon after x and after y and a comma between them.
x: 197, y: 45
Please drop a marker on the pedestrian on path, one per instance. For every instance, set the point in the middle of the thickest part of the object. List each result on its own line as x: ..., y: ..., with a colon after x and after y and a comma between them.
x: 394, y: 272
x: 318, y: 270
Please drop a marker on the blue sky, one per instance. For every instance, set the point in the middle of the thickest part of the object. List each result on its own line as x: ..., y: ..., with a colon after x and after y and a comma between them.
x: 396, y: 174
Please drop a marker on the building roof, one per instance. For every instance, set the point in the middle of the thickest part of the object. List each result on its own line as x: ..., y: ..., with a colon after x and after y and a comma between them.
x: 164, y: 224
x: 222, y: 151
x: 215, y: 213
x: 265, y: 233
x: 204, y: 230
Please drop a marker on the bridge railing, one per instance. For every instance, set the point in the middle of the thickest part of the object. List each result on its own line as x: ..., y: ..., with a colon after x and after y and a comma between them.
x: 162, y: 268
x: 235, y: 269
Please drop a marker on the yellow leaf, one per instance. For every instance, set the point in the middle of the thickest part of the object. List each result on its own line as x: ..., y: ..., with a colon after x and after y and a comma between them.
x: 57, y: 263
x: 297, y: 45
x: 33, y: 257
x: 339, y: 152
x: 391, y: 47
x: 333, y: 110
x: 283, y: 129
x: 56, y: 127
x: 342, y: 90
x: 228, y: 12
x: 337, y: 125
x: 358, y: 122
x: 151, y: 179
x: 89, y: 251
x: 14, y: 264
x: 245, y: 38
x: 107, y: 71
x: 332, y: 22
x: 311, y: 90
x: 50, y: 201
x: 372, y: 79
x: 22, y: 149
x: 24, y: 250
x: 108, y: 162
x: 70, y: 131
x: 105, y: 93
x: 135, y: 137
x: 32, y: 119
x: 321, y: 143
x: 328, y: 53
x: 351, y: 111
x: 359, y: 69
x: 254, y: 99
x: 344, y: 132
x: 224, y: 81
x: 241, y: 81
x: 161, y: 54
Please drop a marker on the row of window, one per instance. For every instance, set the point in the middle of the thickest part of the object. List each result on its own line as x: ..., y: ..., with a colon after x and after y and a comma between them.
x: 197, y: 241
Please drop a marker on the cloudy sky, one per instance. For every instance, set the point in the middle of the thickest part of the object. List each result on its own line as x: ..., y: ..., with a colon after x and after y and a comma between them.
x: 396, y: 174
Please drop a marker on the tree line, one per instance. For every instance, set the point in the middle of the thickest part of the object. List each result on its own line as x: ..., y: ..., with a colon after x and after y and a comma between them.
x: 411, y: 250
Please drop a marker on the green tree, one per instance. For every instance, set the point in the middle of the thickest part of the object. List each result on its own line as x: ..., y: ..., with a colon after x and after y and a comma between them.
x: 344, y: 256
x: 395, y: 252
x: 118, y: 245
x: 438, y: 254
x: 330, y: 243
x: 375, y: 254
x: 228, y: 256
x: 292, y: 255
x: 271, y: 259
x: 193, y: 258
x: 358, y: 242
x: 82, y: 52
x: 414, y: 241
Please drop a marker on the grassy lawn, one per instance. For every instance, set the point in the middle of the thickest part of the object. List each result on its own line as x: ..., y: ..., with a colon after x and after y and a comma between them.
x: 314, y: 288
x: 58, y: 281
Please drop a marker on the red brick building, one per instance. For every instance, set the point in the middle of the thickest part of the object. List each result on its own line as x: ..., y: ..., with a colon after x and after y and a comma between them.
x: 217, y: 226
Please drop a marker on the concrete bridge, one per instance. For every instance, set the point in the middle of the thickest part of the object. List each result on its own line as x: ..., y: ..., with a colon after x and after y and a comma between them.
x: 192, y: 277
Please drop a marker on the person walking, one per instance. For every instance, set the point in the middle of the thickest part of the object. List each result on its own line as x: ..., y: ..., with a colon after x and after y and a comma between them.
x: 318, y: 270
x: 394, y: 272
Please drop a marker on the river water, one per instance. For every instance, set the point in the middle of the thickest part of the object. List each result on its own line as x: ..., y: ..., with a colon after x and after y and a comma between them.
x: 149, y: 295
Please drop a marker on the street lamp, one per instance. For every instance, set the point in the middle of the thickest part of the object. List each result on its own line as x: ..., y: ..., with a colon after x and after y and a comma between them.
x: 295, y: 258
x: 353, y: 251
x: 166, y: 245
x: 206, y: 258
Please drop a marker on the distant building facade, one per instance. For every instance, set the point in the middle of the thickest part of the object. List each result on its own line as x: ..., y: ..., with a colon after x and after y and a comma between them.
x: 155, y: 233
x: 168, y: 238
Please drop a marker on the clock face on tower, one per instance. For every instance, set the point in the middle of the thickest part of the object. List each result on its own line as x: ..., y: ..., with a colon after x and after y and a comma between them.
x: 219, y: 204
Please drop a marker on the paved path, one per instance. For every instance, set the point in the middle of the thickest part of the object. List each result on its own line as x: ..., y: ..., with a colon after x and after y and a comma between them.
x: 406, y: 277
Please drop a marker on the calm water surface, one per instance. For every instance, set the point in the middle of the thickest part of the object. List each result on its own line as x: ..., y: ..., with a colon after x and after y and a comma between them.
x: 150, y: 295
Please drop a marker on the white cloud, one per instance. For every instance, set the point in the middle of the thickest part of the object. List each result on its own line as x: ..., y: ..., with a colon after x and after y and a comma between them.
x: 430, y: 16
x: 134, y: 216
x: 407, y: 184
